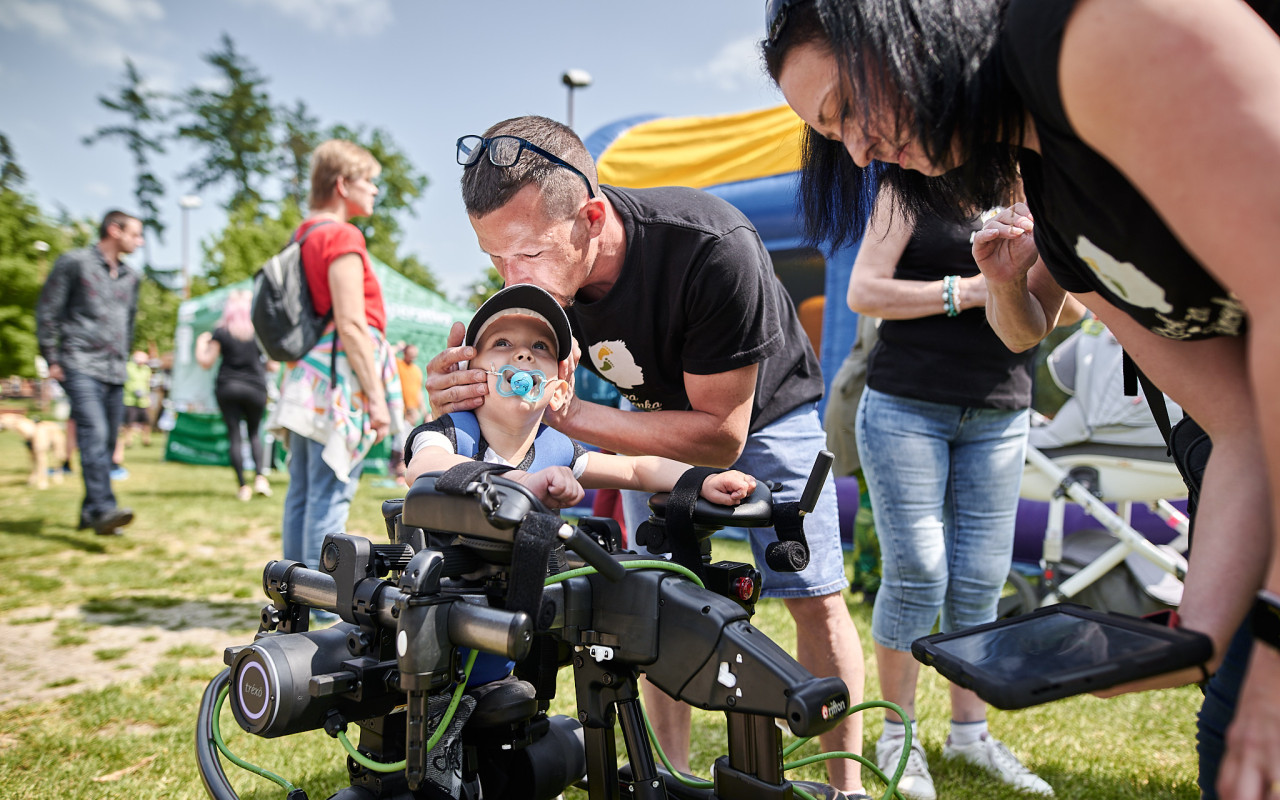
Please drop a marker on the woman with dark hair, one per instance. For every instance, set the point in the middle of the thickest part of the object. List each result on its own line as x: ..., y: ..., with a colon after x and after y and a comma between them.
x: 1141, y: 131
x: 941, y: 434
x: 240, y: 386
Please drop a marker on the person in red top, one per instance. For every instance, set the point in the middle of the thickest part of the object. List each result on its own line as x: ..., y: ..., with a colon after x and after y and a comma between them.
x: 335, y: 415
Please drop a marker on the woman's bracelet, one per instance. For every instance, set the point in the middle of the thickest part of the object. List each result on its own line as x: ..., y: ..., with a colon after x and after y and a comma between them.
x: 951, y: 295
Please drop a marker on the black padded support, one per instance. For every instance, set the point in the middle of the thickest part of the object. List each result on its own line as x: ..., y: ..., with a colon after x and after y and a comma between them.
x: 455, y: 479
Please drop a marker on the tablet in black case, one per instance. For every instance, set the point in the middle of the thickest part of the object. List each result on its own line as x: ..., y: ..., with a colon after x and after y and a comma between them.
x: 1058, y: 651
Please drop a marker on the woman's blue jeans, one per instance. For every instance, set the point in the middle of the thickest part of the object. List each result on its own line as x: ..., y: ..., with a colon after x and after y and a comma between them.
x: 944, y: 490
x: 317, y: 503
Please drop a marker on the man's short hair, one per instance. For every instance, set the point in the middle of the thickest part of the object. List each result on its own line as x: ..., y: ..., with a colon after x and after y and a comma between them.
x: 486, y: 188
x: 338, y: 158
x: 113, y: 217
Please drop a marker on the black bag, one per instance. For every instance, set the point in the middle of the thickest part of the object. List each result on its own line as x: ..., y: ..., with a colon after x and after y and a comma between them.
x: 284, y: 317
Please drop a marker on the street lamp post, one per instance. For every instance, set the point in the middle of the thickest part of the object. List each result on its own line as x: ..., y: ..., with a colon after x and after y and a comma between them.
x: 187, y: 202
x: 574, y: 79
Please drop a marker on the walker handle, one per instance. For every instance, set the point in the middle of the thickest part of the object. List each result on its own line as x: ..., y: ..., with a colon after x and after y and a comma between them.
x: 817, y: 477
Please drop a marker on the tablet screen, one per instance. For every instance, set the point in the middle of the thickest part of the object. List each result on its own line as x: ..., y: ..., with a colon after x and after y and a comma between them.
x: 1056, y: 644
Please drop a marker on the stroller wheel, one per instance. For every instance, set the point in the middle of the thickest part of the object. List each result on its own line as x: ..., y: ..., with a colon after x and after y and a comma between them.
x: 1017, y: 597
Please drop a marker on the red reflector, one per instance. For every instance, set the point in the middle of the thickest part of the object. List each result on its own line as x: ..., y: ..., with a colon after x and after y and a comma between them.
x: 1048, y: 574
x: 745, y: 587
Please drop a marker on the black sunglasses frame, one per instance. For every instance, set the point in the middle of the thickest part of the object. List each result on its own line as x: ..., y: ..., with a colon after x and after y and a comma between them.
x: 775, y: 18
x: 473, y: 157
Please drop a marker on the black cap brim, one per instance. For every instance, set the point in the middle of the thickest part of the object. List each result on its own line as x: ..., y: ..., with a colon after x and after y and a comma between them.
x: 524, y: 297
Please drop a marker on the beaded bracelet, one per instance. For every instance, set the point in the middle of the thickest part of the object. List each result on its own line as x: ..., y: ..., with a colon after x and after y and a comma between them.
x: 951, y: 295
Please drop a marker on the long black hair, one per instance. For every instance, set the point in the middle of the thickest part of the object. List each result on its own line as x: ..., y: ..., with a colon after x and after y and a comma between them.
x: 936, y: 66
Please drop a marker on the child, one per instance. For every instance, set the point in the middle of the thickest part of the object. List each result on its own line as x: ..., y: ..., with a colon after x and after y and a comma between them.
x: 521, y: 336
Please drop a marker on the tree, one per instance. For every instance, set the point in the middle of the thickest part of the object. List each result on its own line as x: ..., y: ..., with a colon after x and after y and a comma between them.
x: 29, y: 243
x: 399, y: 186
x: 250, y: 238
x: 11, y: 175
x: 232, y: 125
x: 137, y: 104
x: 485, y: 288
x: 301, y: 134
x: 157, y: 316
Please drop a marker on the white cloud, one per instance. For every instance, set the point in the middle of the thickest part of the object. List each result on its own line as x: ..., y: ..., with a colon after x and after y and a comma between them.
x: 129, y: 10
x: 96, y: 189
x: 92, y: 32
x: 359, y: 17
x: 44, y: 19
x: 735, y: 66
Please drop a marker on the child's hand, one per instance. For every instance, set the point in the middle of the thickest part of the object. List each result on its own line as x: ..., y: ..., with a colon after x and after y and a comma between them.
x: 728, y: 488
x: 554, y: 486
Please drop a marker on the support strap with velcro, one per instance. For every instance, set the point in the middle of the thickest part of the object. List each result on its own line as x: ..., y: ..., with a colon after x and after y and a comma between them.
x: 681, y: 536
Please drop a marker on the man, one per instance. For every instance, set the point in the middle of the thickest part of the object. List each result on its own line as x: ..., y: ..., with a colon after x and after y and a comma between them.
x: 415, y: 412
x: 84, y: 322
x: 672, y: 294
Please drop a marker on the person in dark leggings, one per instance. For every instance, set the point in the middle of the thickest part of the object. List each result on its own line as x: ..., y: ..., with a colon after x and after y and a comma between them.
x: 240, y: 387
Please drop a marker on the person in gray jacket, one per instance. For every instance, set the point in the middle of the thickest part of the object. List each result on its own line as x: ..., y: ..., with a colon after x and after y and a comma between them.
x: 84, y: 321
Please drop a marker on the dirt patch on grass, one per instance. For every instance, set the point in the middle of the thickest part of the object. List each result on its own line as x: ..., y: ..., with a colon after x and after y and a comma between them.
x: 49, y: 653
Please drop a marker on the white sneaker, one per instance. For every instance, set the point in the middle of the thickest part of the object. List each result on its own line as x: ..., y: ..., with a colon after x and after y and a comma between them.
x: 916, y: 782
x: 991, y: 754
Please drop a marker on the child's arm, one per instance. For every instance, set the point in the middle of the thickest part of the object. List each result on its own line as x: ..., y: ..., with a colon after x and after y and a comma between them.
x: 655, y: 474
x: 430, y: 459
x: 554, y: 486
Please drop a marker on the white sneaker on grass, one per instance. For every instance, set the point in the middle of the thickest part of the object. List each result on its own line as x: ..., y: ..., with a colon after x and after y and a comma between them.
x: 916, y: 782
x: 992, y: 755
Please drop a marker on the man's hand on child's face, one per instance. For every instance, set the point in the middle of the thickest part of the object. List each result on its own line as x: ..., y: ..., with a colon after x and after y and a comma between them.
x: 554, y: 486
x: 728, y: 488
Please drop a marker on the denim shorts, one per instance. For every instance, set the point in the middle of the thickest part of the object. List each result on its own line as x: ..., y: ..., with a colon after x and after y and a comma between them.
x: 784, y: 451
x: 944, y: 485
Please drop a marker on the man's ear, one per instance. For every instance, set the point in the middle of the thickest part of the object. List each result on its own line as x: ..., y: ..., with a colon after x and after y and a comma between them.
x: 594, y: 213
x: 560, y: 394
x: 340, y: 187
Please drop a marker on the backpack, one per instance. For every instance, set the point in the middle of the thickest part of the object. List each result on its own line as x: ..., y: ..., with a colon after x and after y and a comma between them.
x: 284, y: 317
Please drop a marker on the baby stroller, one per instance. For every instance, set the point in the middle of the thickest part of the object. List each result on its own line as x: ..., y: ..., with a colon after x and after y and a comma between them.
x: 1101, y: 448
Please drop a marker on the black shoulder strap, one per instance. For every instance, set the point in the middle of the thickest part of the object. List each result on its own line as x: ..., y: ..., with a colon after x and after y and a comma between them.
x: 1155, y: 398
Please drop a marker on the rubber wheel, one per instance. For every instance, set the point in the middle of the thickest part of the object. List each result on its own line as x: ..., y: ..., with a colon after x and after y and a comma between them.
x: 1018, y: 596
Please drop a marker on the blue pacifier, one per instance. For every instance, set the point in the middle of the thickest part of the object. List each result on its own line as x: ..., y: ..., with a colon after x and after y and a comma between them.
x: 515, y: 382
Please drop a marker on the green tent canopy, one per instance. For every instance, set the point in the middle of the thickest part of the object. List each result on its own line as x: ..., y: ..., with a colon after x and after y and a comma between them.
x: 415, y: 315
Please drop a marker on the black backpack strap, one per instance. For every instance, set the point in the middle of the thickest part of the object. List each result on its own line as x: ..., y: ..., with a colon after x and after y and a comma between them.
x: 1155, y: 398
x: 333, y: 353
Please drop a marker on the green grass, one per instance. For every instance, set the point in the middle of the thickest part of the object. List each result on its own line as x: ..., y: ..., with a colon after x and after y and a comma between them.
x: 193, y: 559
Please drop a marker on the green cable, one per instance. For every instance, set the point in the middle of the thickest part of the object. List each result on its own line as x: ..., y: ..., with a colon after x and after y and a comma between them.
x: 396, y: 766
x: 655, y: 563
x: 232, y: 757
x: 892, y: 785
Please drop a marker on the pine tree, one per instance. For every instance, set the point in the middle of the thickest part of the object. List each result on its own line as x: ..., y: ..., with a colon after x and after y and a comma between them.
x: 138, y: 105
x: 232, y: 126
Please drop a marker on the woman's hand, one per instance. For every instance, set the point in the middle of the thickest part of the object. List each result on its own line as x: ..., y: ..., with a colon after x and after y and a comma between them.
x: 379, y: 418
x: 728, y: 488
x: 1251, y: 769
x: 1005, y: 249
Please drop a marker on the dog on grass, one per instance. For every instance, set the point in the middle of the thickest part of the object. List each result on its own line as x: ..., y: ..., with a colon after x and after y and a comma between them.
x: 47, y: 442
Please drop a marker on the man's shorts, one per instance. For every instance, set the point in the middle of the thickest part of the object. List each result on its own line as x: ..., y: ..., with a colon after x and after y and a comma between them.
x: 784, y: 452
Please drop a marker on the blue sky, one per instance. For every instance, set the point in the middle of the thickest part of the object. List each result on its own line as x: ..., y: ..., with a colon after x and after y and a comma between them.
x: 425, y: 71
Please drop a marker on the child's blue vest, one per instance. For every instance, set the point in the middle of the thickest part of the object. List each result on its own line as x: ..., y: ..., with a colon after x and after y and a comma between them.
x: 551, y: 448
